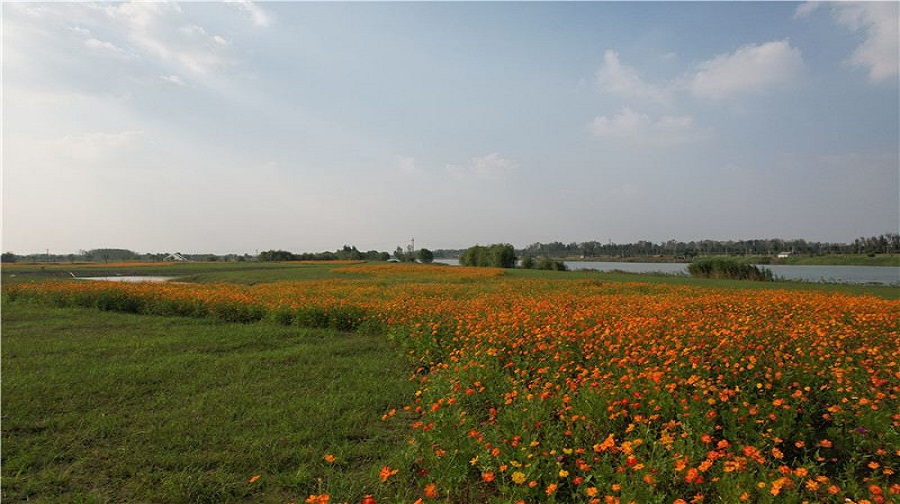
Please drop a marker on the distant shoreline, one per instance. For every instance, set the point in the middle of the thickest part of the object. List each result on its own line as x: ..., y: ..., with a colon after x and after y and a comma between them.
x: 824, y: 260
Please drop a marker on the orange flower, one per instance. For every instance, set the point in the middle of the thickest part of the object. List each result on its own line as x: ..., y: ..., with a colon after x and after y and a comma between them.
x: 386, y: 472
x: 329, y: 458
x: 487, y: 477
x: 431, y: 491
x: 368, y: 499
x: 254, y: 478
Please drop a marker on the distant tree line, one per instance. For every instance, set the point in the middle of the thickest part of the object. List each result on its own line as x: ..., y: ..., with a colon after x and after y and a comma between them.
x: 884, y: 244
x: 116, y: 254
x: 888, y: 243
x: 349, y: 253
x: 346, y: 253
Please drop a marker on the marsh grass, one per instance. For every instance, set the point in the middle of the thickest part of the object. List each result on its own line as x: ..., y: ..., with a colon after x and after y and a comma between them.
x: 112, y: 407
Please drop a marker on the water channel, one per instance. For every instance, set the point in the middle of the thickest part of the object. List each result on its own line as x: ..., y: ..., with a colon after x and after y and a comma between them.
x: 882, y: 275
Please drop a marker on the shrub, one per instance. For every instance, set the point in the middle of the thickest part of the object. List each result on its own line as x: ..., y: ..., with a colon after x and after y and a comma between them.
x: 724, y: 267
x: 545, y: 263
x: 492, y: 256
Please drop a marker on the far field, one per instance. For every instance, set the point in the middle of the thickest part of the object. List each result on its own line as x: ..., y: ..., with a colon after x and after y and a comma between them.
x: 294, y: 382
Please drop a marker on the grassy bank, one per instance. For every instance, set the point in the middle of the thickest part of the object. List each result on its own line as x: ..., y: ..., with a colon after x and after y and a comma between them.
x: 110, y: 407
x: 841, y: 260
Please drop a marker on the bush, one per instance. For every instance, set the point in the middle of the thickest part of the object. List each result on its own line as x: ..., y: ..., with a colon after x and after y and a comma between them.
x: 543, y: 263
x: 492, y: 256
x: 724, y: 267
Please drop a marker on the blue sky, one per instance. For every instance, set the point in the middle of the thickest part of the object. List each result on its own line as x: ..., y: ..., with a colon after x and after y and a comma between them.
x: 240, y: 126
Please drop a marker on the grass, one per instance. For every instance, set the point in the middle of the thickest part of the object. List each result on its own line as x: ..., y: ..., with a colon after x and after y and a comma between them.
x: 110, y: 407
x: 843, y: 260
x: 237, y: 272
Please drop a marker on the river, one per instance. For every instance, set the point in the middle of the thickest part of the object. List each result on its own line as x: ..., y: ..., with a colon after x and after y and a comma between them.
x: 883, y: 275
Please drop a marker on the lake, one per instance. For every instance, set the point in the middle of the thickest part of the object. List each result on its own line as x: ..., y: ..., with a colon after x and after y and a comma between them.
x: 884, y: 275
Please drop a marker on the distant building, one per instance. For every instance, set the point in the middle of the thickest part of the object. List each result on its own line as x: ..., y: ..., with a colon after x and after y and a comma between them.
x: 176, y: 257
x: 785, y: 255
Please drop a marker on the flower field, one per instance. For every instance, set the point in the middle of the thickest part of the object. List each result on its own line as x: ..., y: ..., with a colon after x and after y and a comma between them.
x: 568, y: 390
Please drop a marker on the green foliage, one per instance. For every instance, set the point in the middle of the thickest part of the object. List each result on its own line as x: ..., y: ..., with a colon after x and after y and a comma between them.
x: 426, y: 256
x: 276, y: 255
x: 402, y: 255
x: 724, y: 267
x: 8, y: 257
x: 501, y: 255
x: 543, y: 263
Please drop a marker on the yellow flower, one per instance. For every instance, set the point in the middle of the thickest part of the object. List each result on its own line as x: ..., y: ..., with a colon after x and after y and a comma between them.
x: 518, y: 477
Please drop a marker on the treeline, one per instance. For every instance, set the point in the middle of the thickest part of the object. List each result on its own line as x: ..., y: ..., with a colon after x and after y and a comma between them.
x: 884, y: 244
x: 117, y: 254
x: 346, y: 253
x: 350, y: 253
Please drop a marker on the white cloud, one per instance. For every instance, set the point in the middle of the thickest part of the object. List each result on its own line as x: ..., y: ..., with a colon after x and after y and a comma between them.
x: 641, y: 128
x: 80, y: 30
x: 161, y: 30
x: 107, y: 48
x: 94, y: 144
x: 407, y: 165
x: 752, y: 68
x: 628, y: 124
x: 623, y: 80
x: 259, y: 16
x: 490, y: 166
x: 878, y: 23
x: 805, y: 9
x: 172, y: 79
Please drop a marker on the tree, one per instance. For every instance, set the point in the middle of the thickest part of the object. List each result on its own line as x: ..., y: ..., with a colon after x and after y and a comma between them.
x: 349, y: 253
x: 111, y: 254
x: 501, y: 255
x: 8, y: 257
x: 276, y: 255
x: 426, y: 256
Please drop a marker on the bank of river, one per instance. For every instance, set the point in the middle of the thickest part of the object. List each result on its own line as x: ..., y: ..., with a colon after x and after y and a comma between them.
x: 882, y: 275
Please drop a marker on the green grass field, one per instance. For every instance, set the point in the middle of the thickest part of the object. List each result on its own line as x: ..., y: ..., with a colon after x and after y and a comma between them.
x: 110, y: 407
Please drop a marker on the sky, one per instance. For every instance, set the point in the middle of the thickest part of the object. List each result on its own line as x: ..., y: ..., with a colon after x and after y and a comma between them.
x: 236, y: 127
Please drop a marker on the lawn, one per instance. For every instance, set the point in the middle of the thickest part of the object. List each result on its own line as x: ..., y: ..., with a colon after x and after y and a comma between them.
x: 112, y: 407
